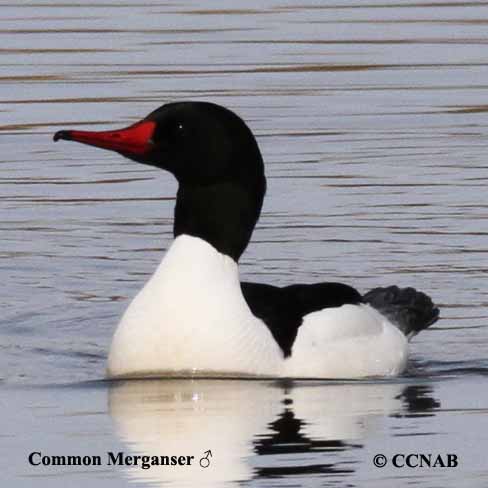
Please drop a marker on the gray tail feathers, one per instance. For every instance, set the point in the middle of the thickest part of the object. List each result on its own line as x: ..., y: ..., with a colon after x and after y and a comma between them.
x: 410, y: 310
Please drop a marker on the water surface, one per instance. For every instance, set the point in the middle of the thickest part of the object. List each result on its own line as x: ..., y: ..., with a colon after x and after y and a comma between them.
x: 372, y: 120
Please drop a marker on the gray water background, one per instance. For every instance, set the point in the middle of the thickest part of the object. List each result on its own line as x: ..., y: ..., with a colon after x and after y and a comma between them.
x: 372, y: 120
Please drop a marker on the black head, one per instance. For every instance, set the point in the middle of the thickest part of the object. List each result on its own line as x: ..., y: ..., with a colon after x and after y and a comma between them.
x: 213, y: 155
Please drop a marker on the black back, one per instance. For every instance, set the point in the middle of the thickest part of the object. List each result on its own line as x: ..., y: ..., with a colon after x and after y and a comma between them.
x: 283, y: 309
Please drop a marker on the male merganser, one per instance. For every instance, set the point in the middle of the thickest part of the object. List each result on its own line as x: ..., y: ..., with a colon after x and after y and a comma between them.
x: 194, y: 317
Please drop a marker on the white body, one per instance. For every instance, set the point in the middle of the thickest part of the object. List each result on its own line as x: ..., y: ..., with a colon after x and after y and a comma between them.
x: 191, y: 318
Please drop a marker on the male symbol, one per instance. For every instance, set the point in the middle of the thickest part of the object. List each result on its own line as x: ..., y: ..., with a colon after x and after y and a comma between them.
x: 205, y: 461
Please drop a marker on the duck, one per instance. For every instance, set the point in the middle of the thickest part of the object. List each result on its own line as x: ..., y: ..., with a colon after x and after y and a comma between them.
x: 195, y: 318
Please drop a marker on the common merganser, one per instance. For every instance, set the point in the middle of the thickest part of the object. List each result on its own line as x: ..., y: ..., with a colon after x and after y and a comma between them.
x: 194, y: 317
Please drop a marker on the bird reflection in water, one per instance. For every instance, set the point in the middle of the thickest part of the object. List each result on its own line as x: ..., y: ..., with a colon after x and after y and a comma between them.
x: 255, y: 429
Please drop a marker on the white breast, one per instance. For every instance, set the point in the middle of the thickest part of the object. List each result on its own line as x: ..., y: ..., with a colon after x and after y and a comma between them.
x: 191, y: 317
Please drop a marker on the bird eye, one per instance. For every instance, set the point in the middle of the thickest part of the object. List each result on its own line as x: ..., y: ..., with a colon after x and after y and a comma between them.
x: 169, y: 133
x: 177, y: 130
